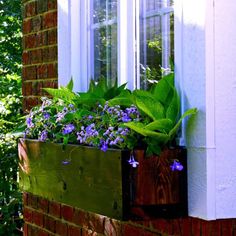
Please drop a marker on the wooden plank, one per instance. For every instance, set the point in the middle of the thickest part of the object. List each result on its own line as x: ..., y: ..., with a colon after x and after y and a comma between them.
x: 92, y: 180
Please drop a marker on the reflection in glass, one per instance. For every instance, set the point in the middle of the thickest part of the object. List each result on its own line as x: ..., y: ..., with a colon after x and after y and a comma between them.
x: 103, y: 40
x: 156, y: 39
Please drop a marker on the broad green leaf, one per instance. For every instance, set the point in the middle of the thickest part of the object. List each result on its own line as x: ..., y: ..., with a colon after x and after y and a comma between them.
x: 70, y: 85
x: 189, y: 112
x: 150, y: 107
x: 172, y: 111
x: 163, y: 125
x: 163, y: 90
x: 62, y: 93
x: 139, y: 128
x: 125, y: 98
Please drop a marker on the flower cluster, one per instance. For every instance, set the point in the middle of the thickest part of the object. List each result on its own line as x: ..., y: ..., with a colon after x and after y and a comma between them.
x: 102, y: 127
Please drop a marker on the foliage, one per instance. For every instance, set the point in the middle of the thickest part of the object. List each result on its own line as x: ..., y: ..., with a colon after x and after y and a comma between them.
x: 109, y: 117
x: 10, y: 196
x: 10, y: 37
x: 10, y: 112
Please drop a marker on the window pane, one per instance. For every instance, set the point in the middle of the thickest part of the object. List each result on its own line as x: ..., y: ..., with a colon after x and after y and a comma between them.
x: 156, y: 39
x: 103, y: 40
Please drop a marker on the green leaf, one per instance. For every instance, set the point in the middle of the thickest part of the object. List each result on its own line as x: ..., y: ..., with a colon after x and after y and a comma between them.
x: 62, y: 93
x: 70, y: 85
x: 140, y: 128
x: 172, y: 111
x: 189, y: 112
x: 125, y: 98
x: 163, y: 125
x: 164, y: 89
x: 150, y: 107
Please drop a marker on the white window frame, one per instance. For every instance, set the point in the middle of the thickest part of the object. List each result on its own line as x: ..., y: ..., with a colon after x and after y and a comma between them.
x: 74, y: 49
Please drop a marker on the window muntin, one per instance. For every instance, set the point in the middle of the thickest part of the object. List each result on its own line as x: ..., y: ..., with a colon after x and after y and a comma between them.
x: 156, y: 39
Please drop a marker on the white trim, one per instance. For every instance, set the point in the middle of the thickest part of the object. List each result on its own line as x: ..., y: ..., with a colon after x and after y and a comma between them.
x: 64, y: 42
x: 126, y: 43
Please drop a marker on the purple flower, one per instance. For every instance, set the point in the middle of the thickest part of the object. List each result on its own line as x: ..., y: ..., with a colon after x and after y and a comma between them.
x: 176, y: 166
x: 60, y: 116
x: 125, y: 118
x: 29, y: 122
x: 132, y: 161
x: 90, y: 117
x: 68, y: 129
x: 43, y: 136
x: 65, y: 162
x: 104, y: 146
x: 46, y: 116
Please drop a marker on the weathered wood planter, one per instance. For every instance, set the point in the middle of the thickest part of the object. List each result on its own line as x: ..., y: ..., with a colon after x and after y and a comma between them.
x: 104, y: 182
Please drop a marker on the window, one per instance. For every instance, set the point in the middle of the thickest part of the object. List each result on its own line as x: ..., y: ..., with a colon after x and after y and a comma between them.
x: 156, y: 39
x: 122, y: 41
x: 102, y: 30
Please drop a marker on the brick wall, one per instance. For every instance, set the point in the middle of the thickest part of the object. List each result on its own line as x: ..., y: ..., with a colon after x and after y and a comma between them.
x: 39, y: 49
x: 47, y: 218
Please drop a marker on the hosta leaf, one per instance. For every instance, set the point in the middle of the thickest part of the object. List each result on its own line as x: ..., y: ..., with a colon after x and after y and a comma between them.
x: 163, y: 125
x: 140, y: 128
x: 172, y: 111
x: 150, y: 107
x: 189, y: 112
x: 163, y: 90
x: 125, y: 98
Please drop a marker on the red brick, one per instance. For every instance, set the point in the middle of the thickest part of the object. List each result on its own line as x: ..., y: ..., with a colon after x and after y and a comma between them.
x: 25, y: 229
x: 55, y: 209
x: 61, y: 228
x: 89, y: 232
x: 112, y: 227
x: 28, y: 103
x: 196, y: 226
x: 42, y: 6
x: 80, y: 217
x: 25, y: 58
x: 30, y: 41
x: 36, y: 56
x: 159, y: 225
x: 96, y: 222
x: 50, y: 223
x: 27, y: 89
x: 74, y: 231
x: 134, y: 231
x: 32, y: 231
x: 50, y: 54
x: 186, y: 226
x: 26, y: 27
x: 43, y: 205
x: 215, y: 228
x: 36, y: 23
x: 33, y: 201
x: 50, y: 20
x: 38, y: 218
x: 29, y: 73
x: 67, y: 212
x: 30, y: 9
x: 25, y: 198
x: 42, y: 39
x: 52, y: 70
x: 42, y: 233
x: 177, y: 226
x: 52, y: 4
x: 226, y: 227
x: 52, y: 36
x: 42, y: 71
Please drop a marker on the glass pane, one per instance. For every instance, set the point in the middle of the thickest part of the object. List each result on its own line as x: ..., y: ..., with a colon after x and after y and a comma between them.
x: 156, y: 40
x: 103, y: 38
